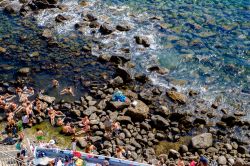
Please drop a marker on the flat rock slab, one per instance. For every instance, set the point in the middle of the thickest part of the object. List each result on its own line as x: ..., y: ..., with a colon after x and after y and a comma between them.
x: 202, y: 141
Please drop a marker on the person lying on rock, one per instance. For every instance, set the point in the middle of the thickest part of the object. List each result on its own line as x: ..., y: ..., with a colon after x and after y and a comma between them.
x: 90, y: 149
x: 68, y: 91
x: 55, y: 83
x: 120, y: 152
x: 84, y: 121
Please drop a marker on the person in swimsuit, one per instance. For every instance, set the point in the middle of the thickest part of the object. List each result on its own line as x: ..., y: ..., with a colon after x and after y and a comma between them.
x: 39, y: 135
x: 68, y: 90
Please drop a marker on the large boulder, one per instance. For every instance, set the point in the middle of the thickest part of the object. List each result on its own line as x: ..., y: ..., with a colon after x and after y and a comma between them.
x: 138, y: 111
x: 46, y: 98
x: 177, y: 97
x: 13, y: 7
x: 202, y: 141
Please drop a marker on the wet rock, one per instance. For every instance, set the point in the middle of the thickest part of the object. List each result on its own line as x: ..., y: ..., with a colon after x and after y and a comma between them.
x: 159, y: 70
x: 124, y: 74
x: 47, y: 34
x: 123, y: 27
x: 2, y: 50
x: 84, y: 3
x: 192, y: 93
x: 91, y: 17
x: 13, y: 7
x: 142, y: 40
x: 177, y: 97
x: 222, y: 160
x: 46, y: 98
x: 202, y: 141
x: 106, y: 29
x: 94, y: 24
x: 139, y: 112
x: 160, y: 122
x: 229, y: 120
x: 104, y: 58
x: 140, y: 77
x: 24, y: 70
x: 61, y: 18
x: 120, y: 59
x: 81, y: 141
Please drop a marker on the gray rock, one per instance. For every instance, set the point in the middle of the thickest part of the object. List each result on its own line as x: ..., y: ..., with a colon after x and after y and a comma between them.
x: 163, y: 111
x: 82, y: 142
x: 13, y: 7
x: 173, y: 154
x: 135, y: 143
x: 139, y: 112
x: 123, y: 27
x: 91, y: 17
x: 228, y: 147
x: 222, y: 160
x: 160, y: 136
x: 94, y: 24
x: 202, y: 141
x: 99, y: 133
x: 47, y: 34
x: 47, y: 98
x: 231, y: 161
x: 234, y: 145
x: 145, y: 126
x: 183, y: 149
x: 242, y: 150
x: 124, y: 119
x: 239, y: 162
x: 159, y: 70
x: 90, y: 110
x: 95, y: 139
x: 159, y: 121
x: 134, y: 155
x: 127, y: 133
x: 212, y: 150
x: 75, y: 113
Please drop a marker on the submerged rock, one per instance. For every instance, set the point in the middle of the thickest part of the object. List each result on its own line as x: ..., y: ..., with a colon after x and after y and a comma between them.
x: 177, y: 97
x: 142, y: 40
x: 159, y: 70
x: 202, y: 141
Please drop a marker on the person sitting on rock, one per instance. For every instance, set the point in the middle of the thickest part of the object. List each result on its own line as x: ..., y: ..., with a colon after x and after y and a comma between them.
x: 59, y: 122
x: 68, y: 90
x: 90, y: 149
x: 120, y: 151
x: 66, y: 129
x: 84, y: 121
x: 39, y: 135
x: 116, y: 127
x: 55, y: 83
x: 38, y: 106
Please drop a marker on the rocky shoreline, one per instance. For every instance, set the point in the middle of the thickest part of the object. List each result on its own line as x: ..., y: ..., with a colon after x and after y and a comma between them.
x: 159, y: 115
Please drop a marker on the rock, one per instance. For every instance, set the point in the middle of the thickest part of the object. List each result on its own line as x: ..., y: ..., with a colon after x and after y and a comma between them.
x: 234, y: 145
x: 13, y: 7
x: 117, y: 81
x: 106, y: 29
x: 177, y: 97
x: 90, y: 17
x: 117, y: 105
x: 120, y: 59
x: 159, y: 70
x: 2, y: 50
x: 228, y: 147
x: 84, y: 3
x: 183, y: 149
x: 52, y: 1
x: 200, y: 121
x: 90, y: 110
x: 134, y: 143
x: 163, y: 111
x: 130, y: 94
x: 231, y: 161
x: 127, y: 133
x: 24, y: 70
x: 212, y: 150
x: 94, y: 24
x: 222, y: 160
x: 95, y: 139
x: 63, y: 7
x: 173, y: 154
x: 123, y: 27
x: 202, y: 141
x: 47, y: 34
x: 229, y: 120
x: 139, y: 112
x: 124, y: 119
x: 61, y: 18
x: 239, y: 162
x: 160, y: 136
x: 75, y: 113
x: 82, y: 142
x: 145, y: 126
x: 242, y: 150
x: 47, y: 98
x: 160, y: 122
x: 124, y: 74
x: 142, y: 40
x: 141, y: 77
x: 104, y: 58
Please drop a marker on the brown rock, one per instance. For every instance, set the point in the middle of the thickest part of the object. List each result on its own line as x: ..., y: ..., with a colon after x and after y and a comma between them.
x: 177, y: 97
x: 138, y: 111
